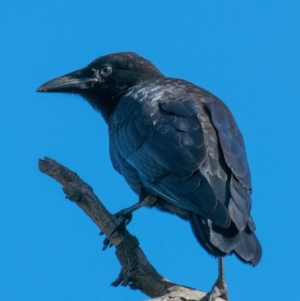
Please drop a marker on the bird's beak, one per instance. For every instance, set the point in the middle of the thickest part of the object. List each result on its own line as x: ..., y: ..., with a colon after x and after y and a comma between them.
x: 74, y: 82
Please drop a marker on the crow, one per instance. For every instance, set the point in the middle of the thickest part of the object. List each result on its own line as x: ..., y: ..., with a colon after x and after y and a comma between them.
x: 177, y: 146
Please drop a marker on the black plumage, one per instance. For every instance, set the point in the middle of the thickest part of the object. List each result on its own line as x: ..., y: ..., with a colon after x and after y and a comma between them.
x: 174, y: 140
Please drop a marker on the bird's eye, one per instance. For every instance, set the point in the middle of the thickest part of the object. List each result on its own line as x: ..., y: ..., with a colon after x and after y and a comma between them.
x: 106, y: 70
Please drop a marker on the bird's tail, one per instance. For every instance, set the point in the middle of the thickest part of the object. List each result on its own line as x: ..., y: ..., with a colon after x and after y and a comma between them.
x: 219, y: 241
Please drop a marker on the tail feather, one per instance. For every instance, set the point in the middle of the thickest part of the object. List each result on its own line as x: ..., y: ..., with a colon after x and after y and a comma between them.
x: 199, y: 229
x: 224, y: 241
x: 249, y: 248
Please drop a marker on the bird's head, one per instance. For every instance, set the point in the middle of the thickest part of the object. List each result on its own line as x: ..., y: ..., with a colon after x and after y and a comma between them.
x: 103, y: 82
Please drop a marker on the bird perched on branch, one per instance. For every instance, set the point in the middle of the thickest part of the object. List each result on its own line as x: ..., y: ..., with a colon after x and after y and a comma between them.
x: 177, y: 146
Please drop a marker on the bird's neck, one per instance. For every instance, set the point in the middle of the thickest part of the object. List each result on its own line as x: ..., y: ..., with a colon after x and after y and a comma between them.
x: 106, y: 105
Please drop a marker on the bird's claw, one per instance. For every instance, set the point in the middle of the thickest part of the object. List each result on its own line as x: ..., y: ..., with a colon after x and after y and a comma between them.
x: 123, y: 218
x: 106, y: 244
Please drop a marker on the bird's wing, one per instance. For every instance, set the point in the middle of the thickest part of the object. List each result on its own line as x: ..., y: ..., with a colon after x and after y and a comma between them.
x: 156, y: 140
x: 233, y: 150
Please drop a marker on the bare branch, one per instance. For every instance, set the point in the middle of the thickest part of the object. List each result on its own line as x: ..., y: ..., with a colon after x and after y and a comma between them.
x: 136, y: 271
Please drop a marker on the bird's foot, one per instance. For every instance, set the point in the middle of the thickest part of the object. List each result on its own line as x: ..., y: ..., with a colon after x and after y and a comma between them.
x: 219, y: 290
x: 123, y: 218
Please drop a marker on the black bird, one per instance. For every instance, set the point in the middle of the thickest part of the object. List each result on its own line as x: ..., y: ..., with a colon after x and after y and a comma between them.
x: 177, y: 146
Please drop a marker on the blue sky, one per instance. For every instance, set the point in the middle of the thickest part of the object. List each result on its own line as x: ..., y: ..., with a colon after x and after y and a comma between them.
x: 245, y: 52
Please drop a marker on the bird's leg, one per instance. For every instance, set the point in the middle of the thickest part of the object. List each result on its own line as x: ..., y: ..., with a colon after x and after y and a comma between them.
x: 219, y: 290
x: 124, y: 216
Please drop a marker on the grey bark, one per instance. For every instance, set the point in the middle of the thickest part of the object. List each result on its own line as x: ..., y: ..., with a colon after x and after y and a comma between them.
x: 136, y: 271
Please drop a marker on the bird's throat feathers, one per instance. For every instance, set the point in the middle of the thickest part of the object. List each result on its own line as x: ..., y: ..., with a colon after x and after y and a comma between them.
x: 105, y: 105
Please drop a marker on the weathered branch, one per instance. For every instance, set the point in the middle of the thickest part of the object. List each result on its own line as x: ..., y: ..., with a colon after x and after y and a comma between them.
x: 136, y: 271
